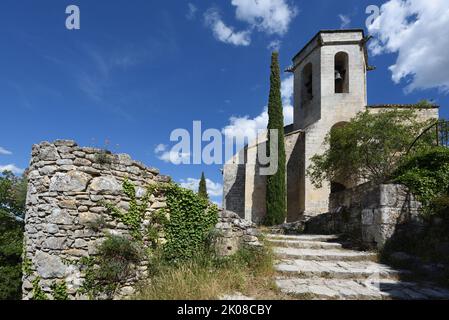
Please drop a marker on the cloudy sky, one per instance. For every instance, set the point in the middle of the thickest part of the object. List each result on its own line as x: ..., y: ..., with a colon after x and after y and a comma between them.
x: 138, y: 69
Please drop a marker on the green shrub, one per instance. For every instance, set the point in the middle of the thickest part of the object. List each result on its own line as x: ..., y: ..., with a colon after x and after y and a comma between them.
x: 426, y: 174
x: 112, y: 265
x: 104, y: 157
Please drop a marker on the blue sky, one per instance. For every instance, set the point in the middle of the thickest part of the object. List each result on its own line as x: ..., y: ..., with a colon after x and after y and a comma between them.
x: 138, y: 69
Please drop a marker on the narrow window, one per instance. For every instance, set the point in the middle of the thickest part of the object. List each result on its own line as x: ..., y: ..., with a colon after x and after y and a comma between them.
x: 307, y: 84
x: 341, y: 73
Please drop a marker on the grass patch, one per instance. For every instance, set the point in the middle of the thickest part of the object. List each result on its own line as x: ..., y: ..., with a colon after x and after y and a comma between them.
x: 208, y: 277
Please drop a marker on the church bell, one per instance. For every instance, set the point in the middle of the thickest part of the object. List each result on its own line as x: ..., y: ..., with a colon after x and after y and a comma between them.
x: 338, y: 76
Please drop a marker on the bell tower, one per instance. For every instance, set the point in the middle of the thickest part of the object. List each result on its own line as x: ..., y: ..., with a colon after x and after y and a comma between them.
x: 329, y: 89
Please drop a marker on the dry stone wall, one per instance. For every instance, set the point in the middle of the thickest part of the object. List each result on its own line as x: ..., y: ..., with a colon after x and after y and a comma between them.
x: 370, y: 213
x: 233, y: 233
x: 67, y: 185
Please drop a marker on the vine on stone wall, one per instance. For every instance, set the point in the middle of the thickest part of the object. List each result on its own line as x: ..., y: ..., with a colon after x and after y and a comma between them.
x: 186, y: 224
x: 192, y: 218
x: 132, y: 218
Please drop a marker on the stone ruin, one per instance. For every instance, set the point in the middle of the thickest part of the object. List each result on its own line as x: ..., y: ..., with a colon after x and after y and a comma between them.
x: 66, y: 187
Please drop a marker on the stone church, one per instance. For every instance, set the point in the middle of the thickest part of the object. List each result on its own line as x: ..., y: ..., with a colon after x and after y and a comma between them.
x: 330, y: 88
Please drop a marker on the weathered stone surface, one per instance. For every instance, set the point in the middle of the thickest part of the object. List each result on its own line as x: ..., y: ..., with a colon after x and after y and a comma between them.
x: 88, y: 217
x: 48, y: 152
x: 106, y: 185
x: 158, y: 205
x: 49, y: 266
x: 55, y: 243
x: 318, y: 277
x: 60, y: 217
x: 63, y: 201
x: 52, y: 228
x: 71, y: 181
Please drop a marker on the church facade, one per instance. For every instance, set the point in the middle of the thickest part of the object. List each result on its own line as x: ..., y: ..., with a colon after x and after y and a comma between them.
x: 330, y: 88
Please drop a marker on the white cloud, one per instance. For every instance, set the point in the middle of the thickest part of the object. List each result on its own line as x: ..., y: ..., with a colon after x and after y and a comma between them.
x: 173, y: 157
x: 287, y: 90
x: 5, y: 152
x: 269, y: 16
x: 246, y: 127
x: 345, y: 21
x: 160, y: 148
x: 191, y: 14
x: 224, y: 33
x: 11, y: 167
x: 214, y: 189
x: 274, y: 45
x: 417, y: 31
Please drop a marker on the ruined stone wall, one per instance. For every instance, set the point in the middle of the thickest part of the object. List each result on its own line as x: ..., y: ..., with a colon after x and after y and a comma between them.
x: 370, y: 213
x: 66, y: 186
x: 233, y: 232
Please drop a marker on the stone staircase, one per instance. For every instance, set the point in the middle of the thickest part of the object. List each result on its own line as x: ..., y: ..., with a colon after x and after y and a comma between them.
x: 318, y: 267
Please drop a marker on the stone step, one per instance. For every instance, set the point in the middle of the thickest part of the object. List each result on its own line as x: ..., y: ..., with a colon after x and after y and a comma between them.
x: 323, y: 254
x: 342, y: 289
x: 305, y: 244
x: 337, y: 269
x: 302, y: 237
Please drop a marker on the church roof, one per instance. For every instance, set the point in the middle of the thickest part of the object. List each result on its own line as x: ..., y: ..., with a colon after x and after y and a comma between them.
x: 402, y: 106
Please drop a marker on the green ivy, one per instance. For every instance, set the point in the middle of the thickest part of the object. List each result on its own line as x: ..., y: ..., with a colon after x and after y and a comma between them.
x: 27, y: 267
x: 38, y: 293
x: 59, y: 291
x: 192, y: 218
x: 133, y: 218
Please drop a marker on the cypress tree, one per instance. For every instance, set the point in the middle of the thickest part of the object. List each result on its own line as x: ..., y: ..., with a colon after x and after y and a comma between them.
x: 202, y: 190
x: 276, y: 184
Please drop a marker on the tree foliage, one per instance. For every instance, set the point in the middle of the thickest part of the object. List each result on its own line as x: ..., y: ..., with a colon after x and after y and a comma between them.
x: 276, y: 201
x: 202, y: 189
x: 426, y: 174
x: 12, y: 207
x: 368, y: 148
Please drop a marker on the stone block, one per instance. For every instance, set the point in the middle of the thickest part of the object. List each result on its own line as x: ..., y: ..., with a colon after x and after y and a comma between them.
x: 106, y: 185
x: 49, y: 266
x: 367, y: 217
x: 71, y: 181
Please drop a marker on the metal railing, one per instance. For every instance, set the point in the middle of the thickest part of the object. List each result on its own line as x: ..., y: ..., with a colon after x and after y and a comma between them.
x: 440, y: 131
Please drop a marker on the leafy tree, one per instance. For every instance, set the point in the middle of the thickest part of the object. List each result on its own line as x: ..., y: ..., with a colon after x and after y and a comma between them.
x: 276, y: 184
x: 12, y: 207
x: 202, y: 190
x: 426, y: 173
x: 368, y: 148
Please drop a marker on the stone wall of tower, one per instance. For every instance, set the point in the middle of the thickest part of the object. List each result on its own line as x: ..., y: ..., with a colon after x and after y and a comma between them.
x: 66, y: 187
x: 330, y: 108
x: 244, y: 190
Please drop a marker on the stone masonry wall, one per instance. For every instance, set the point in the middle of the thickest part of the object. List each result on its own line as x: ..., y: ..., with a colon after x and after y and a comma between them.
x: 370, y: 213
x: 234, y: 232
x: 66, y: 185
